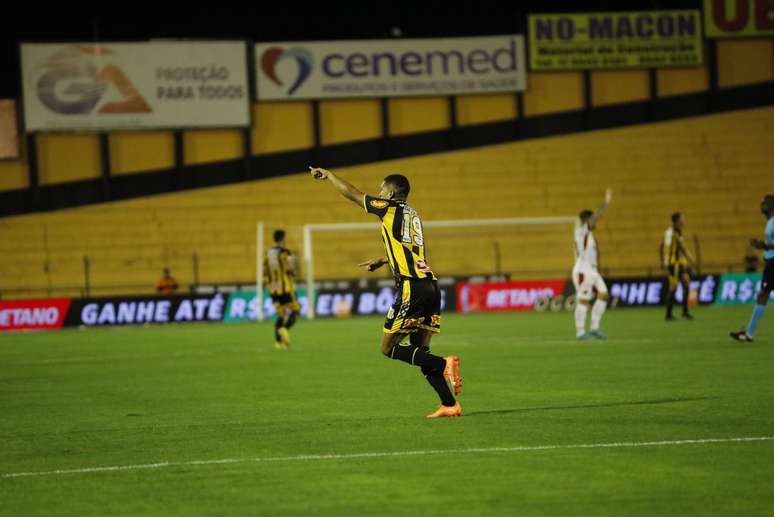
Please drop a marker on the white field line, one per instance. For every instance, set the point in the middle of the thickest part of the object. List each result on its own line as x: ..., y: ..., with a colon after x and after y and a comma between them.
x: 316, y: 457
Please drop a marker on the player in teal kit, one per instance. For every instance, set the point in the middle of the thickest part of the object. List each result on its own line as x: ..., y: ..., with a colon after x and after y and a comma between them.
x: 767, y: 282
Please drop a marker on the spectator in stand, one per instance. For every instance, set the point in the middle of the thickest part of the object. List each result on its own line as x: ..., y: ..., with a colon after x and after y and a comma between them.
x: 751, y: 261
x: 167, y: 283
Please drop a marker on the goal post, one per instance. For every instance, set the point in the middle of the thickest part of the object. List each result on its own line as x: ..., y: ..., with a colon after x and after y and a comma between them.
x: 310, y: 230
x: 259, y: 253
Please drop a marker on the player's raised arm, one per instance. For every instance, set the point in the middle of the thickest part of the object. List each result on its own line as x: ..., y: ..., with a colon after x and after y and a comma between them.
x: 345, y: 188
x: 602, y: 209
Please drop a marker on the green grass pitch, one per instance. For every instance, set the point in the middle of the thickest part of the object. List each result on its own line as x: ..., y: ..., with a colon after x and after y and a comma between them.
x: 211, y: 420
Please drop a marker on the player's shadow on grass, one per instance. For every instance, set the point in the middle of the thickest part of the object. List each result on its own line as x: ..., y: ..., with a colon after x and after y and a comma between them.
x: 588, y: 406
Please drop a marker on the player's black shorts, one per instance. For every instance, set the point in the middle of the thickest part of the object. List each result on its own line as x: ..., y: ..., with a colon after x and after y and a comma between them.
x: 676, y: 273
x: 285, y: 301
x: 767, y: 282
x: 417, y: 306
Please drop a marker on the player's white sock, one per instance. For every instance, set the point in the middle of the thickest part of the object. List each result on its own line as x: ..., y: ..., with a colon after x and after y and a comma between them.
x: 596, y: 313
x: 581, y: 309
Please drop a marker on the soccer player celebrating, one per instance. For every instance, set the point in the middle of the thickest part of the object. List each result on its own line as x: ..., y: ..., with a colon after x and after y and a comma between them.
x: 279, y: 268
x: 416, y: 311
x: 675, y: 257
x: 585, y: 276
x: 767, y: 283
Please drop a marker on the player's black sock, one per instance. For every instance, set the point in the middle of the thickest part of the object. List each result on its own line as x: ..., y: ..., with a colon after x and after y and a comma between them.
x: 291, y: 320
x: 277, y: 326
x: 670, y: 303
x: 414, y: 355
x: 437, y: 381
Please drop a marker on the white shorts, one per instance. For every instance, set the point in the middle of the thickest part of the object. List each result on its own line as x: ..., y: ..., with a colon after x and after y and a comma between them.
x: 586, y: 280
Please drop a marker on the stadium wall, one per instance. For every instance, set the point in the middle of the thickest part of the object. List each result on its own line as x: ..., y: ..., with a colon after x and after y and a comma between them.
x: 713, y: 168
x: 74, y: 169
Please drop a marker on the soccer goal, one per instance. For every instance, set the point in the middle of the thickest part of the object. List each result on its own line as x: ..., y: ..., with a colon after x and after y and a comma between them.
x: 535, y: 247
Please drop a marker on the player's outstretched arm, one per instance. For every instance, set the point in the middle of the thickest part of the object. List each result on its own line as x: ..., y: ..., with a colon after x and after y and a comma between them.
x: 602, y: 209
x: 345, y: 188
x: 373, y: 265
x: 758, y: 244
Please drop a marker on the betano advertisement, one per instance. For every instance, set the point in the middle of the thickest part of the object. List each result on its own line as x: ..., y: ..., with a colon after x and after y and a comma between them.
x: 505, y: 296
x: 33, y: 314
x: 390, y: 68
x: 738, y: 18
x: 90, y: 86
x: 581, y: 41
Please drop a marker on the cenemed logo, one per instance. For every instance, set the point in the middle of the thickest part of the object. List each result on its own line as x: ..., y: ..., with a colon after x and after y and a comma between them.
x: 73, y: 81
x: 274, y: 55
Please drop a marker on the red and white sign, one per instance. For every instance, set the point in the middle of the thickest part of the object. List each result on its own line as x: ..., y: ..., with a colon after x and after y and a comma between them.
x: 33, y: 314
x: 505, y: 296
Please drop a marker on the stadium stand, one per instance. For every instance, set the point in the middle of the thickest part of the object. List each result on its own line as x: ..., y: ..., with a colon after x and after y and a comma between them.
x: 712, y: 168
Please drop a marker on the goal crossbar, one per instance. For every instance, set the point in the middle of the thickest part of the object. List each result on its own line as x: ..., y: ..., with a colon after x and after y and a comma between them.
x: 309, y: 229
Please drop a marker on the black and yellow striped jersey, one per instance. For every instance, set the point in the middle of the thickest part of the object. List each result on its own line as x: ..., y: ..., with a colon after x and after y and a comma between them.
x: 403, y: 238
x: 674, y: 252
x: 279, y: 271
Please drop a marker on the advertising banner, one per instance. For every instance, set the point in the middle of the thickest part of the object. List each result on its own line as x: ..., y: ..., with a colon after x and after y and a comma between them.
x: 505, y: 296
x: 582, y: 41
x: 646, y: 291
x: 738, y: 18
x: 88, y: 86
x: 242, y: 305
x: 739, y: 288
x: 390, y: 68
x: 139, y: 310
x: 33, y: 314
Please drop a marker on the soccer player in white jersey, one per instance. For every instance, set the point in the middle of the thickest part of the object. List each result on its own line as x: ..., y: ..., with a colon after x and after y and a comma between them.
x: 585, y: 276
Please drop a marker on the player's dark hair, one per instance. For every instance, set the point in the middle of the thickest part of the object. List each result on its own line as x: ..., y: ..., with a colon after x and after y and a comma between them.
x: 585, y: 215
x: 676, y: 217
x: 399, y: 183
x: 279, y: 235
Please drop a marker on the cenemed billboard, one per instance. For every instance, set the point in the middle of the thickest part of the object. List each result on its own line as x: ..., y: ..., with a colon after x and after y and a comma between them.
x: 389, y: 68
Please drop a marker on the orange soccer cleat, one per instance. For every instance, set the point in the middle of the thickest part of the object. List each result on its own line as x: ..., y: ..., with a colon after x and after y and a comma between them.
x: 444, y: 411
x: 452, y: 374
